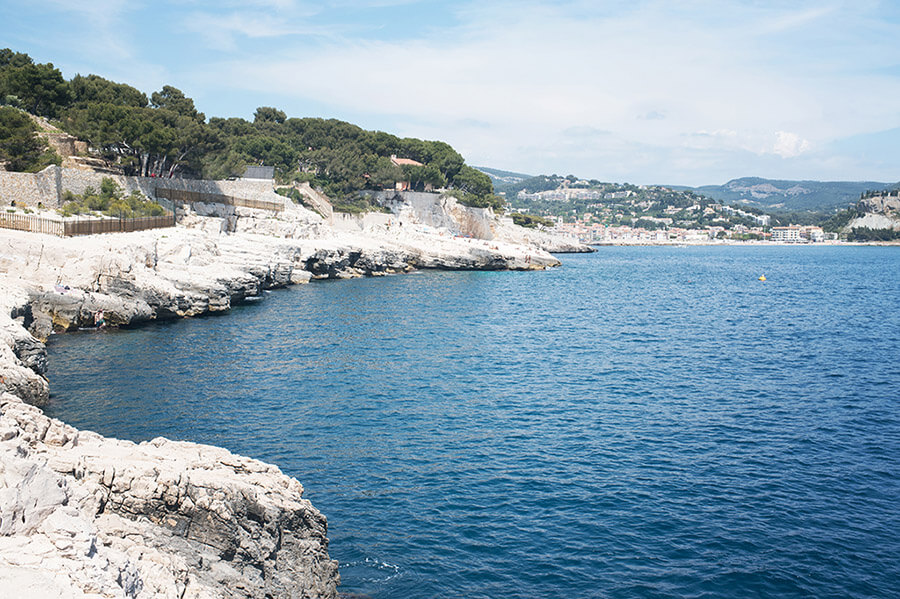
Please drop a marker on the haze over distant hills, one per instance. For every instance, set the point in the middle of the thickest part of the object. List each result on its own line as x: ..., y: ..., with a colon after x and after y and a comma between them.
x: 772, y: 195
x: 502, y: 179
x: 788, y: 196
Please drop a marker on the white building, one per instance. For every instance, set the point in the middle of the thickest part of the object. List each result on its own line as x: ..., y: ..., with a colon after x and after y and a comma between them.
x: 789, y: 234
x: 813, y: 234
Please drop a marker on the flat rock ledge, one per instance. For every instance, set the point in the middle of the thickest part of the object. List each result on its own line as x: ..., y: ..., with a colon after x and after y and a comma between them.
x: 86, y: 516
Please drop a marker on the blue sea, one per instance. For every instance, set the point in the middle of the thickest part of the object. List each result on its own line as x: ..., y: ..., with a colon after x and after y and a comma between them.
x: 641, y: 422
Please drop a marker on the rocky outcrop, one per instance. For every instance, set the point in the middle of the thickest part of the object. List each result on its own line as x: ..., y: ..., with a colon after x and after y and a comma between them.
x: 342, y: 263
x: 443, y: 212
x: 543, y: 240
x: 873, y: 221
x: 17, y: 378
x: 82, y: 514
x: 225, y: 254
x: 887, y: 204
x: 881, y: 211
x: 23, y: 359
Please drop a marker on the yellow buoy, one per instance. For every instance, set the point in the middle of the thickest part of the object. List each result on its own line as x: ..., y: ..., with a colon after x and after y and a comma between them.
x: 762, y: 277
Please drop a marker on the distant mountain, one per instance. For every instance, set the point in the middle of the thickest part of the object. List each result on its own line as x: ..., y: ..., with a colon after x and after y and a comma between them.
x: 788, y: 196
x: 502, y: 179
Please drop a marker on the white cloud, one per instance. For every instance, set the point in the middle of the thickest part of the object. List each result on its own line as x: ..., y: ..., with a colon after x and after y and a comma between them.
x: 221, y: 31
x: 789, y: 145
x: 787, y: 20
x: 737, y: 74
x: 99, y: 29
x: 102, y: 11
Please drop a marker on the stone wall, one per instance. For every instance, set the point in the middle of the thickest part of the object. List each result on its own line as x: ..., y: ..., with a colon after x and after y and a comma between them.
x: 30, y: 189
x: 47, y: 186
x: 319, y: 202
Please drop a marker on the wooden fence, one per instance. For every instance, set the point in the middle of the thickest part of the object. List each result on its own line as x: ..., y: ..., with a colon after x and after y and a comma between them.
x: 86, y: 226
x: 190, y: 197
x: 34, y: 224
x: 118, y: 225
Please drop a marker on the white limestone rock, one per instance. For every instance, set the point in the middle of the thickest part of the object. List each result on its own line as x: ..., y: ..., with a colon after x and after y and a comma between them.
x: 874, y: 220
x: 80, y: 513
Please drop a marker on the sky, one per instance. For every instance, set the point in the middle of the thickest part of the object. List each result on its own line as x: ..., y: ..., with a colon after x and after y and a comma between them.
x: 689, y: 92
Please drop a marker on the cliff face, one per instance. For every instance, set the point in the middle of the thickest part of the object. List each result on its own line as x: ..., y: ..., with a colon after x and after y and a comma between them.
x: 886, y: 204
x: 880, y: 212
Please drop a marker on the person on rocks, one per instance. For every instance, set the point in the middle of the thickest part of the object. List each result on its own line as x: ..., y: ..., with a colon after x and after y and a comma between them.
x: 99, y: 320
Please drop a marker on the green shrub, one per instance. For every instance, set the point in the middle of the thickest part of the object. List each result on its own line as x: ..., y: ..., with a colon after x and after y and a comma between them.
x: 357, y: 205
x: 110, y: 202
x: 487, y: 200
x: 531, y: 221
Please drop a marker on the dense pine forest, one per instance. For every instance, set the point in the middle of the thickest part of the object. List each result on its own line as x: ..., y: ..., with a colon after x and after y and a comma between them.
x: 165, y: 135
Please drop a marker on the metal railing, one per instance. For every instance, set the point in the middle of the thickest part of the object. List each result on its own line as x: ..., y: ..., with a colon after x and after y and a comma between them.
x: 190, y: 197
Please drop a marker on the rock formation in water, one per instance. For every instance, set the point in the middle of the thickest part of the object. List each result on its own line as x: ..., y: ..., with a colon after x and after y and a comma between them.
x: 220, y: 255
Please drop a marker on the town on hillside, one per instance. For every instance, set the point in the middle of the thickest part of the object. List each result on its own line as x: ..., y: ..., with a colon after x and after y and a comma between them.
x: 607, y: 213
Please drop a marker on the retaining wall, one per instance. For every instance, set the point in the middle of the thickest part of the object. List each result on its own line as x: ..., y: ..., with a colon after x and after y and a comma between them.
x: 47, y: 186
x: 30, y: 189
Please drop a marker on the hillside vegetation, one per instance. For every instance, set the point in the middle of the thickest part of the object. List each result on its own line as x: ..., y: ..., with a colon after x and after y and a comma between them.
x: 165, y: 135
x: 776, y: 195
x: 621, y: 204
x: 658, y: 207
x: 21, y: 148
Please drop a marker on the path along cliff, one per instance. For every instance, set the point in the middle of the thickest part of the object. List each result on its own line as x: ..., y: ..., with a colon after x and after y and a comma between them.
x: 86, y: 516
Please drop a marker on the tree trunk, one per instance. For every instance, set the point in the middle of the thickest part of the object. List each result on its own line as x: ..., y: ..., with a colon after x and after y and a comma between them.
x: 176, y: 162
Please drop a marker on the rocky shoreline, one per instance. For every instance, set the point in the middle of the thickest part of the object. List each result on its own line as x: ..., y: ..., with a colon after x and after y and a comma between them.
x: 84, y: 515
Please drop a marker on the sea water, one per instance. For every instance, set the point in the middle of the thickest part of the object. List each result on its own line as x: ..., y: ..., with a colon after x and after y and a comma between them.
x: 642, y: 422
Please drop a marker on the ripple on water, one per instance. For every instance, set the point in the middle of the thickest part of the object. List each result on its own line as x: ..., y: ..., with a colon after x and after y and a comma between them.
x: 643, y: 422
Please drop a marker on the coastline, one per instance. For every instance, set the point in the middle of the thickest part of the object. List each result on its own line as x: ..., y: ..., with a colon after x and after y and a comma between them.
x: 732, y: 243
x: 86, y: 514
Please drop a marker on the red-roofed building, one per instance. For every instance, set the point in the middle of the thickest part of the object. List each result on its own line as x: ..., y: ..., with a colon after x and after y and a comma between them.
x: 404, y: 161
x: 400, y: 162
